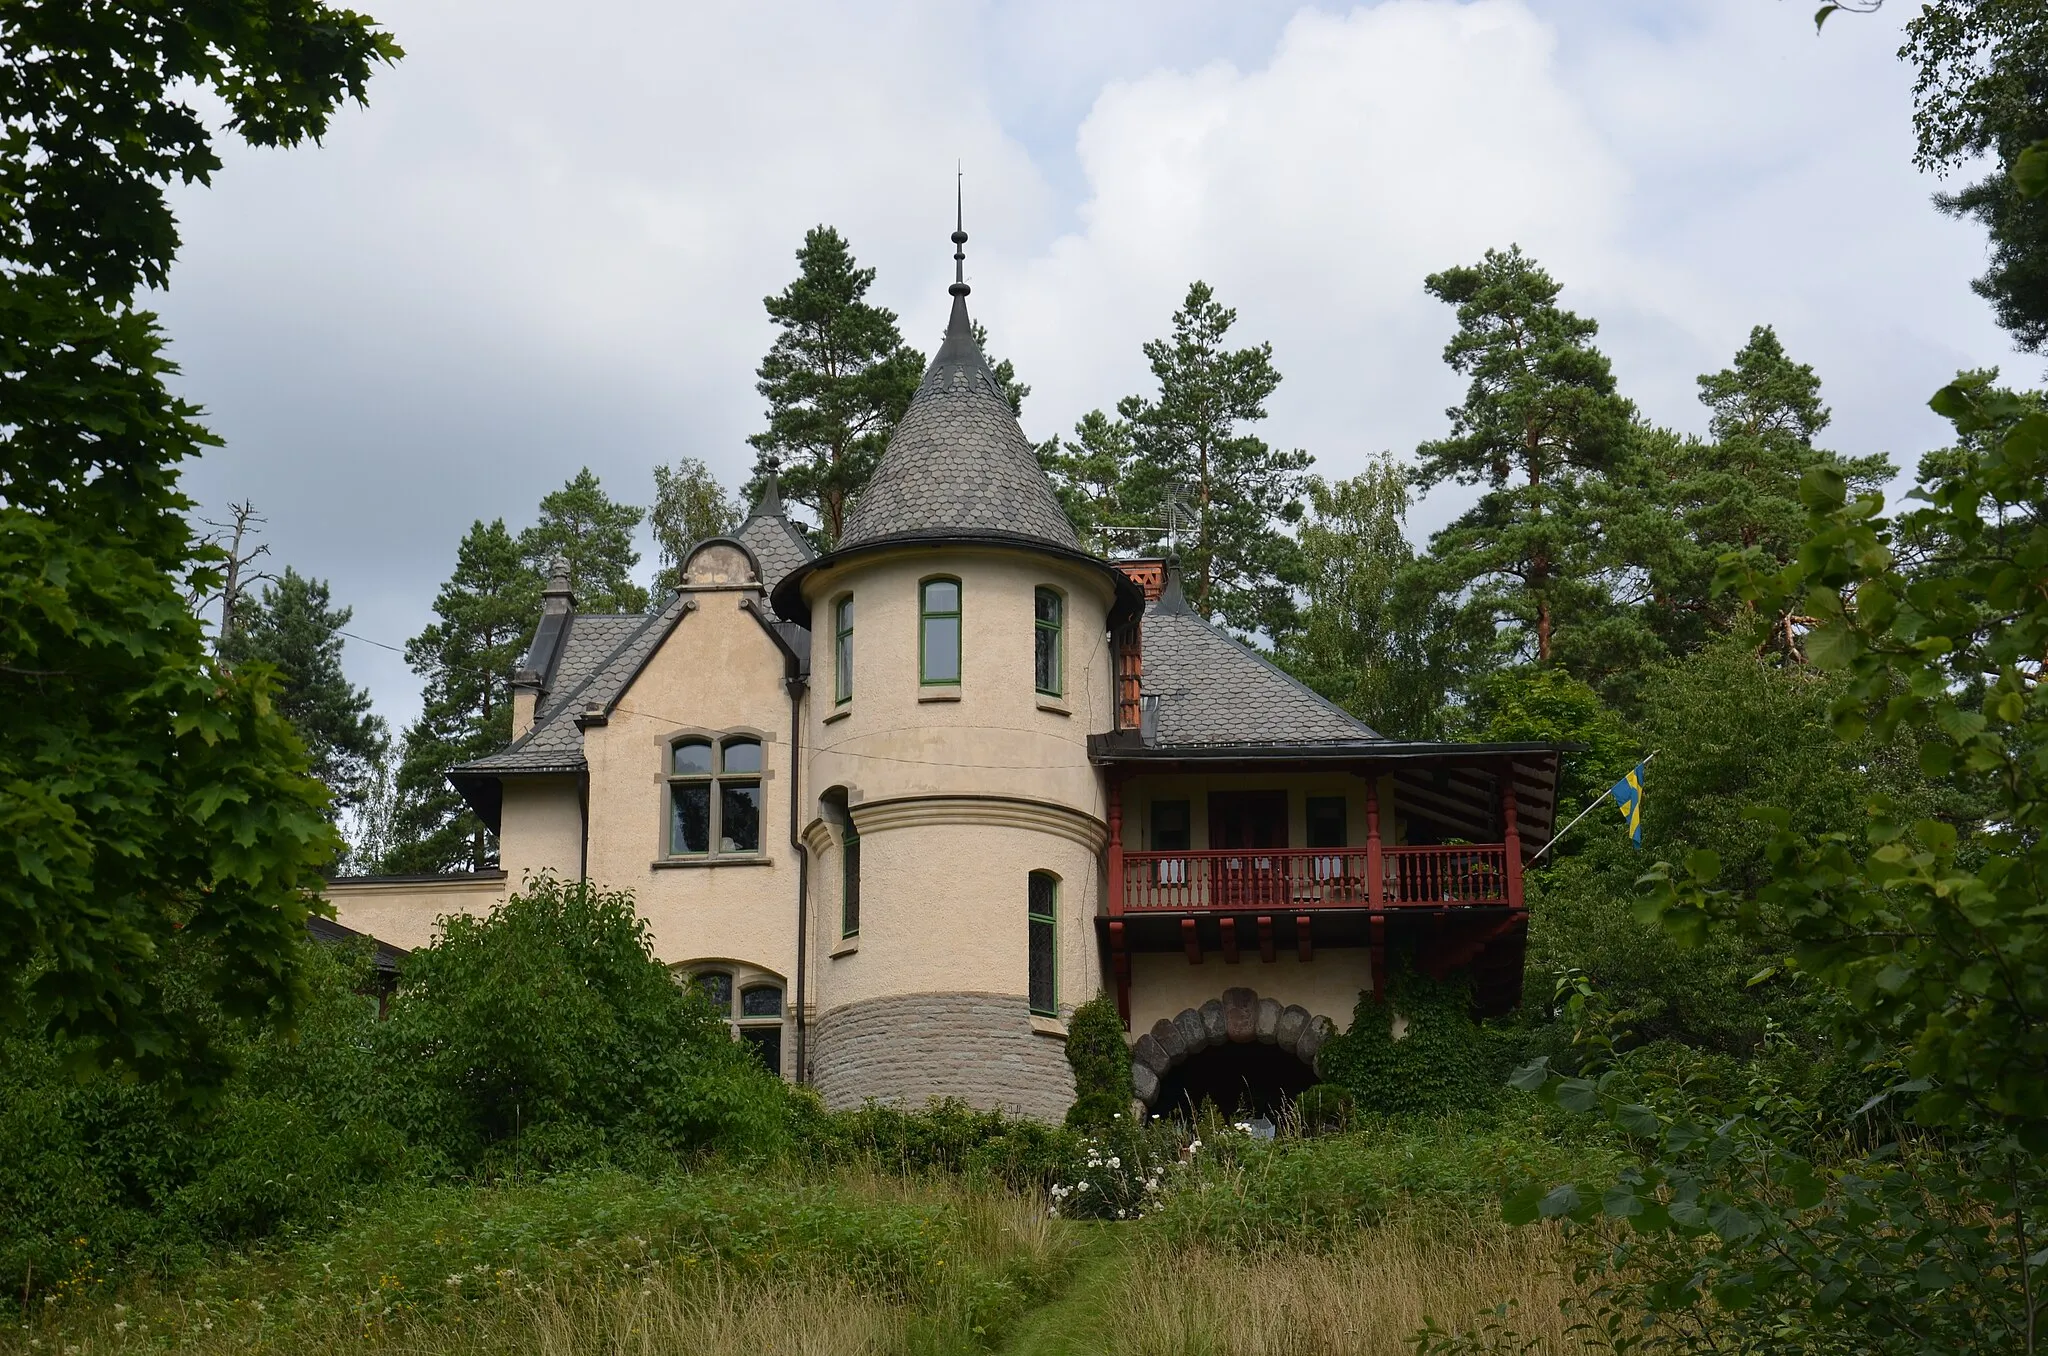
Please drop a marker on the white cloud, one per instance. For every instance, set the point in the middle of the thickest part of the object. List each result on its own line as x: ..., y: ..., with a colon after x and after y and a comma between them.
x: 545, y: 243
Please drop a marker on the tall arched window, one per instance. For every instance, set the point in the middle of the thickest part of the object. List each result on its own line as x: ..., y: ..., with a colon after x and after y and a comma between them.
x: 849, y: 882
x: 752, y: 1008
x: 938, y: 632
x: 1041, y: 915
x: 842, y: 651
x: 1048, y: 658
x: 714, y: 794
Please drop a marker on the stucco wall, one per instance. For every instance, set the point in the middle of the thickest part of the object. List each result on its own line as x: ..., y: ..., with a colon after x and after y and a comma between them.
x: 992, y: 734
x: 540, y: 827
x: 404, y: 913
x: 718, y: 673
x: 1163, y: 983
x: 907, y: 1049
x: 943, y: 901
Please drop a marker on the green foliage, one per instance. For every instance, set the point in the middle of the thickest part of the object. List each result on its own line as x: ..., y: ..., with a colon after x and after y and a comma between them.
x: 546, y: 1033
x: 1737, y: 490
x: 1325, y: 1108
x: 689, y: 505
x: 295, y: 629
x: 1101, y: 1062
x: 836, y: 380
x: 1124, y: 1170
x: 103, y: 1170
x: 1540, y: 419
x: 1290, y: 1195
x: 143, y: 791
x: 1357, y: 639
x: 947, y: 1136
x: 1192, y: 443
x: 1442, y: 1061
x: 1003, y: 370
x: 579, y: 523
x: 1531, y: 704
x: 1091, y: 476
x: 1980, y: 67
x: 486, y: 614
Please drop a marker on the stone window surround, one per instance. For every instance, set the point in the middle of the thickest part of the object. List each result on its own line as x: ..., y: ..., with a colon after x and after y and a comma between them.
x: 744, y: 976
x: 662, y: 748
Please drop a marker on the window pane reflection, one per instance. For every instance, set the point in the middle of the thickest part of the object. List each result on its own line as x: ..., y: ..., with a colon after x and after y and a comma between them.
x: 740, y: 817
x: 690, y: 830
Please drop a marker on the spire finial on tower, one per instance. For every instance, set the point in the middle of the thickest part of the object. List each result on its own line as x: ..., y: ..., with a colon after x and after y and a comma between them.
x: 959, y: 287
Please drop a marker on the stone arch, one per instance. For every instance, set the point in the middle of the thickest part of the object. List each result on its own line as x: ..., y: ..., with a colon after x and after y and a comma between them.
x: 1239, y: 1017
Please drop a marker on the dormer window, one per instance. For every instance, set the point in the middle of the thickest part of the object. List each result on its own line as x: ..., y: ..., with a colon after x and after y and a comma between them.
x: 714, y: 793
x: 938, y: 638
x: 1048, y: 650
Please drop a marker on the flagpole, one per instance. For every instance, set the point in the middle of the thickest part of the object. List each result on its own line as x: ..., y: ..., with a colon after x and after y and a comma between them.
x: 1582, y: 814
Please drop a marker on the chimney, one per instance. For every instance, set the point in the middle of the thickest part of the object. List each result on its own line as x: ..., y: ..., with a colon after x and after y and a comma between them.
x: 557, y: 606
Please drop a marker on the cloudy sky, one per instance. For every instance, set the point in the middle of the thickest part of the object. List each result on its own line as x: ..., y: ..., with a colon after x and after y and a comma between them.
x: 545, y: 243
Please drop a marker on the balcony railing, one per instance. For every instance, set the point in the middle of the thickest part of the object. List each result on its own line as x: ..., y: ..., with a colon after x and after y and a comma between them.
x: 1315, y: 878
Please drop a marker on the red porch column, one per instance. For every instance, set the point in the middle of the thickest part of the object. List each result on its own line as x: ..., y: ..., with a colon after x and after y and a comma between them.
x: 1512, y: 836
x: 1116, y: 844
x: 1375, y: 867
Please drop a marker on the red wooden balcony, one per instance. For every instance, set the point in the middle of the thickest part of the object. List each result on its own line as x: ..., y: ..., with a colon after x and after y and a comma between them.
x: 1315, y: 878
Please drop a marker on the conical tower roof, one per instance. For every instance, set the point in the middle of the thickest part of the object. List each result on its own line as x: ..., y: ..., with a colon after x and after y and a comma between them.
x: 958, y: 465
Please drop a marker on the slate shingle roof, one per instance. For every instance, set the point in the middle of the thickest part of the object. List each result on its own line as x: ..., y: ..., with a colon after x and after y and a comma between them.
x: 555, y: 743
x: 1213, y: 689
x: 777, y: 546
x: 958, y: 464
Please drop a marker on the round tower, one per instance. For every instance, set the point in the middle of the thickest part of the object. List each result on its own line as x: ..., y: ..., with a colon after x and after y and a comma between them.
x: 960, y: 658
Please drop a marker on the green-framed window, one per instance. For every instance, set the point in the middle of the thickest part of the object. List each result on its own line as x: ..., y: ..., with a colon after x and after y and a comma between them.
x: 1048, y: 658
x: 842, y: 650
x: 714, y: 796
x: 1041, y: 921
x: 938, y: 632
x: 849, y: 883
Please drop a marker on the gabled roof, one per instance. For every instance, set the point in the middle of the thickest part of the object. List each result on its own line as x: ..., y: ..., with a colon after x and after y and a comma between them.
x: 957, y: 463
x: 1214, y: 689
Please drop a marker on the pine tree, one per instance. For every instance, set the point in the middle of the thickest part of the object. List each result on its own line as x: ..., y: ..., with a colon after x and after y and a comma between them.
x: 1541, y: 418
x: 1358, y: 640
x: 837, y: 379
x: 294, y: 628
x: 581, y: 524
x: 689, y: 505
x: 1982, y: 72
x: 1091, y: 474
x: 487, y: 611
x: 1192, y: 443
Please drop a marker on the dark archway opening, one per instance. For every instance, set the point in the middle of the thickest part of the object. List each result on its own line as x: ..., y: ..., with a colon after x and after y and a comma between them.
x: 1252, y: 1078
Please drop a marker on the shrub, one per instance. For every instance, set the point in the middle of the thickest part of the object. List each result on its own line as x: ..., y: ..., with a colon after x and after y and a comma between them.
x: 946, y: 1136
x: 1101, y: 1061
x: 1323, y: 1108
x: 1442, y: 1061
x: 546, y: 1034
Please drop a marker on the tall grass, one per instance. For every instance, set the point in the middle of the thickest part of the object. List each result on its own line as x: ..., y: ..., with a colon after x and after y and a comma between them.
x: 1367, y: 1295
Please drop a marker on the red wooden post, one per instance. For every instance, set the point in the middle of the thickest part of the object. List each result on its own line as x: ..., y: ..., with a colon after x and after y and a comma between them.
x: 1513, y: 835
x: 1375, y: 865
x: 1116, y: 845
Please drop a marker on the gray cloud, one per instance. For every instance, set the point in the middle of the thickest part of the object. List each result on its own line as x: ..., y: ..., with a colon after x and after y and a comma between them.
x: 545, y: 243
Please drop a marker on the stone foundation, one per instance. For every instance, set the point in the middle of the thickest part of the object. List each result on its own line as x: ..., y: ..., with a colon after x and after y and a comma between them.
x: 904, y: 1051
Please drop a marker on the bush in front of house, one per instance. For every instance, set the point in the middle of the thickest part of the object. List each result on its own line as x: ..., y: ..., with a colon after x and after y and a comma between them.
x: 545, y: 1034
x: 1442, y: 1061
x: 1101, y: 1061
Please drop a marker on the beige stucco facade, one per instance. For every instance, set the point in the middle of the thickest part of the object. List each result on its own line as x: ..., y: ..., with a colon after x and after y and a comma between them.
x: 717, y: 762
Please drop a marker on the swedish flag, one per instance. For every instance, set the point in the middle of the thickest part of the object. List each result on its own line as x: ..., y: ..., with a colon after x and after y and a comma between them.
x: 1628, y: 798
